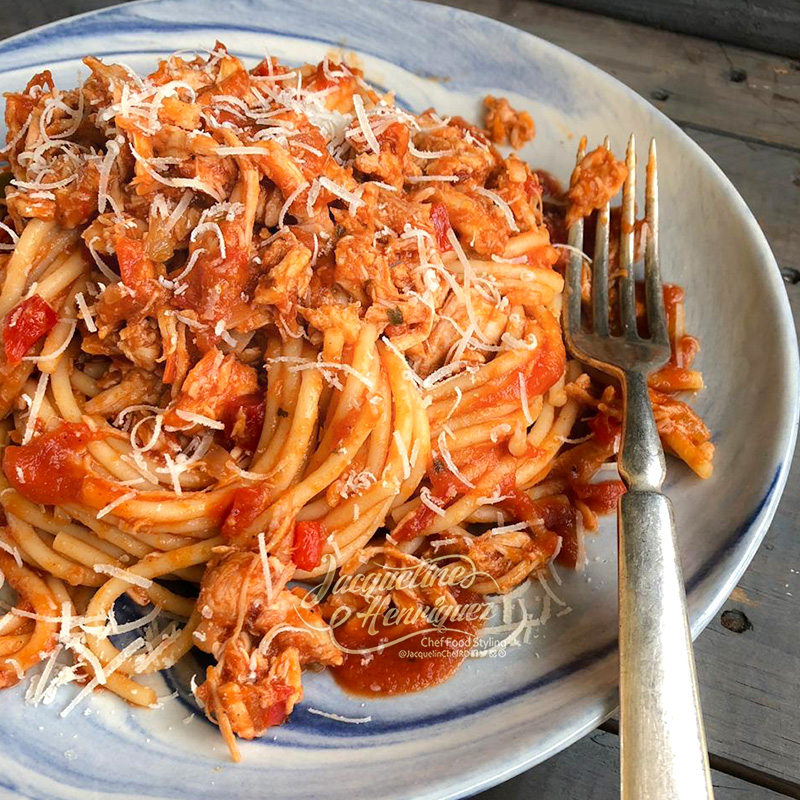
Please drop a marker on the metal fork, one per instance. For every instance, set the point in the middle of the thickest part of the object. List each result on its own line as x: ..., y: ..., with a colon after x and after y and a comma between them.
x: 663, y: 746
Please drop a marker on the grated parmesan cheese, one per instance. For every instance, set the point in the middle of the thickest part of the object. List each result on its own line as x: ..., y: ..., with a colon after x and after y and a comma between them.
x: 83, y: 308
x: 36, y: 405
x: 112, y: 505
x: 339, y: 718
x: 363, y: 121
x: 448, y: 459
x: 190, y: 416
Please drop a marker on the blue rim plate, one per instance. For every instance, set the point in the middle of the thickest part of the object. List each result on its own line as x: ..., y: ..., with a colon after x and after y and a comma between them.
x: 499, y: 715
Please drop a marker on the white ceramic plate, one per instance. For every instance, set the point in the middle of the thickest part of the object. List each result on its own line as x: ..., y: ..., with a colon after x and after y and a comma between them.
x: 498, y: 715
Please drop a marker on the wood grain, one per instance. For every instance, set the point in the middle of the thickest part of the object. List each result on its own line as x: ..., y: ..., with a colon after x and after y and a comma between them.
x: 18, y: 17
x: 769, y: 180
x: 750, y: 681
x: 771, y: 25
x: 589, y: 770
x: 706, y: 84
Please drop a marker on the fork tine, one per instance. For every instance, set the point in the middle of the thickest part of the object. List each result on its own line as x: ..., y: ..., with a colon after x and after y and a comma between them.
x: 627, y: 288
x: 656, y: 314
x: 575, y: 267
x: 600, y: 268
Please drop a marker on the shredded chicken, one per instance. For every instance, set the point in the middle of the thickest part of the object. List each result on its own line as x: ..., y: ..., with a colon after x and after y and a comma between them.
x: 594, y: 182
x: 261, y: 634
x: 505, y: 124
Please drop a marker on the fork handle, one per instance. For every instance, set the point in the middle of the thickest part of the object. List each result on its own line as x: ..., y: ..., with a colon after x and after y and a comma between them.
x: 663, y: 746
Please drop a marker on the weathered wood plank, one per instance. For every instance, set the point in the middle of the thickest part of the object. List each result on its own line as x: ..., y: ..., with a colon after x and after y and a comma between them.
x: 589, y: 770
x: 770, y: 25
x: 769, y: 180
x: 750, y: 681
x: 692, y: 80
x: 18, y: 17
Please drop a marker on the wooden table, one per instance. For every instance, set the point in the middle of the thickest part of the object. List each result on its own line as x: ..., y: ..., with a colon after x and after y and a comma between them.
x: 743, y: 108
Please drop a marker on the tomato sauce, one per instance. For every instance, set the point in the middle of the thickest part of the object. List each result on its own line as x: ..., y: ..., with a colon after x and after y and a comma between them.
x: 428, y: 656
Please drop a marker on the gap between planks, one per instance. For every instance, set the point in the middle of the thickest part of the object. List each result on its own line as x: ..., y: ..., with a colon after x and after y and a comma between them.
x: 734, y: 769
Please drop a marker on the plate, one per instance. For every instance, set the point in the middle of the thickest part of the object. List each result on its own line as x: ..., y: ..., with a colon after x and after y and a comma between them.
x: 503, y: 714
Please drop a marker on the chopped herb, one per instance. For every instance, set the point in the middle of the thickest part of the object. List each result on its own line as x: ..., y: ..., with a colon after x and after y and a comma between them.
x: 282, y: 413
x: 395, y: 316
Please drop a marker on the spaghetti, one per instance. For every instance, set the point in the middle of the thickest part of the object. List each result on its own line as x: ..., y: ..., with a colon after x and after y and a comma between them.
x: 260, y: 326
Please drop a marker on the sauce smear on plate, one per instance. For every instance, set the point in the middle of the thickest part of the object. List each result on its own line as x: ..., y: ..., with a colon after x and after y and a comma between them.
x: 425, y: 658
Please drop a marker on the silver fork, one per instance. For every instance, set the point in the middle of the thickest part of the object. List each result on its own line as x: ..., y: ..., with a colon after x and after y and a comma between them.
x: 663, y: 746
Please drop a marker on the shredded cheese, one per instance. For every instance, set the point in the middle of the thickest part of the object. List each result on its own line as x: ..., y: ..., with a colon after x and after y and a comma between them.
x: 353, y: 200
x: 110, y: 668
x: 363, y: 121
x: 114, y: 503
x: 83, y: 308
x: 36, y: 405
x: 427, y: 500
x: 501, y: 204
x: 190, y: 416
x: 444, y: 452
x: 12, y: 551
x: 289, y: 200
x: 339, y: 717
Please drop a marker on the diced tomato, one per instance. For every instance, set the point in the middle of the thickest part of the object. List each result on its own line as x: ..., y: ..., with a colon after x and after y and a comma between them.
x: 441, y: 225
x: 49, y: 468
x: 244, y: 418
x: 247, y: 503
x: 606, y: 429
x: 309, y: 536
x: 138, y: 272
x: 25, y: 325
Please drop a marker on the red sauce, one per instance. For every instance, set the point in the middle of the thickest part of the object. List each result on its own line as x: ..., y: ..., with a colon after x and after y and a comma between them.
x: 417, y: 522
x: 673, y: 296
x: 540, y: 373
x: 602, y: 497
x: 269, y: 66
x: 672, y: 379
x: 50, y: 469
x: 426, y: 658
x: 606, y: 429
x: 135, y: 268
